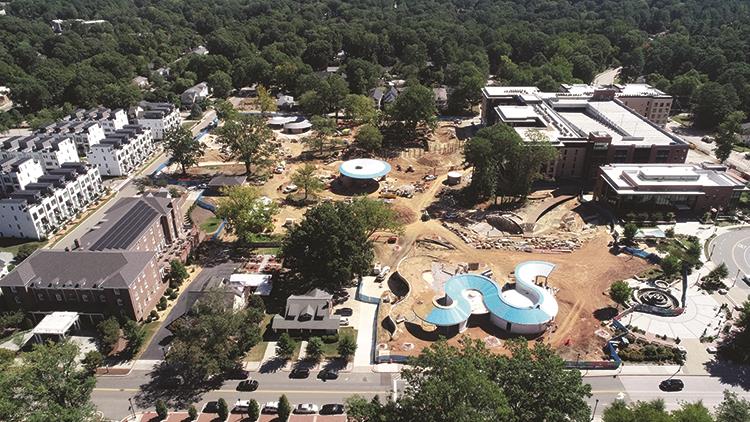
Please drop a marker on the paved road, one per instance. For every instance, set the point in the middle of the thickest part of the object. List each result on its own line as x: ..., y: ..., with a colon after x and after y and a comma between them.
x: 154, y: 350
x: 736, y: 160
x: 607, y: 77
x: 111, y: 393
x: 733, y: 249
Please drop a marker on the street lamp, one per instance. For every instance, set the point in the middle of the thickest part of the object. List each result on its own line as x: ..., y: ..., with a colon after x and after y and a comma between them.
x: 735, y: 278
x: 132, y: 408
x: 596, y: 404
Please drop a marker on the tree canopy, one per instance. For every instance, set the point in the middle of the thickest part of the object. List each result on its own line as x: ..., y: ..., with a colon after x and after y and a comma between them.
x: 245, y: 138
x: 246, y: 213
x: 183, y: 148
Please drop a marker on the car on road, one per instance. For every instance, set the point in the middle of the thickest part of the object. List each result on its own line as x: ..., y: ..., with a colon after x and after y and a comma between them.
x: 672, y: 384
x: 271, y: 407
x: 328, y: 374
x: 723, y: 291
x: 306, y: 409
x: 332, y: 409
x: 344, y: 312
x: 343, y: 322
x: 299, y: 373
x: 247, y: 385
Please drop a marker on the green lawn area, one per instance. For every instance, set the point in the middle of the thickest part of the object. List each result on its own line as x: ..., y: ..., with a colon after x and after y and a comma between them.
x: 256, y: 353
x: 210, y: 225
x: 681, y: 119
x: 331, y: 349
x: 741, y: 148
x: 9, y: 244
x: 188, y: 123
x: 150, y: 329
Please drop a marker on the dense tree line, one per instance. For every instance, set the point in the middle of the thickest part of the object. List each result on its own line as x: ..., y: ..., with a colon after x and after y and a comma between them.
x: 683, y: 47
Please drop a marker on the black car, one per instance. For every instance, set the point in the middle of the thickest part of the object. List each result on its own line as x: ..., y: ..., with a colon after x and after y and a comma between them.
x: 332, y: 409
x: 247, y: 385
x: 344, y: 312
x: 672, y: 384
x: 328, y: 374
x: 299, y: 373
x: 211, y: 407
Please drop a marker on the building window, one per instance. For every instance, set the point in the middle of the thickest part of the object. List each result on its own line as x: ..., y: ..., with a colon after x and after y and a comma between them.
x: 40, y: 296
x: 119, y: 302
x: 58, y: 297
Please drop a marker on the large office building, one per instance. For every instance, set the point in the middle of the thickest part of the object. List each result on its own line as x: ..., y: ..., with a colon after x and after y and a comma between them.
x: 39, y: 208
x: 644, y: 99
x: 117, y: 269
x: 589, y: 130
x: 122, y: 151
x: 679, y: 187
x: 50, y: 150
x: 159, y: 117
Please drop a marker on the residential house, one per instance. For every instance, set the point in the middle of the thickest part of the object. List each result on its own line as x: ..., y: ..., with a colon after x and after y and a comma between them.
x: 195, y: 94
x: 382, y: 96
x: 141, y: 82
x: 308, y: 313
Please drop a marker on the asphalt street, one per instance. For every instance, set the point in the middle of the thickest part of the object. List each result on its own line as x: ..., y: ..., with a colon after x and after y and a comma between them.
x: 733, y: 249
x: 155, y: 350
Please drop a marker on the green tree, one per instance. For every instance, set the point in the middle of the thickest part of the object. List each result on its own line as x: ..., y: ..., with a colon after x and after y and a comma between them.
x: 324, y: 129
x: 225, y: 110
x: 312, y: 103
x: 285, y: 409
x: 177, y: 271
x: 670, y: 266
x: 161, y: 410
x: 25, y: 251
x: 373, y: 215
x: 47, y: 385
x: 362, y: 75
x: 719, y: 273
x: 92, y: 360
x: 369, y: 138
x: 620, y: 292
x: 183, y: 147
x: 253, y: 410
x: 729, y: 131
x: 135, y: 335
x: 415, y: 106
x: 266, y: 102
x: 314, y: 349
x: 360, y: 109
x: 629, y: 231
x: 11, y: 320
x: 220, y: 83
x: 692, y: 412
x: 196, y: 111
x: 342, y: 250
x: 305, y: 178
x: 193, y: 413
x: 466, y: 82
x: 733, y: 408
x: 222, y: 409
x: 246, y: 213
x: 285, y: 346
x: 711, y: 102
x: 109, y: 332
x: 211, y: 338
x: 246, y: 139
x: 347, y: 347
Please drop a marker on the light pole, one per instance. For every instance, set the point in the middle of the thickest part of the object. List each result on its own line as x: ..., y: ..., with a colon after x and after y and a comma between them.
x: 132, y: 408
x: 596, y: 405
x: 735, y: 278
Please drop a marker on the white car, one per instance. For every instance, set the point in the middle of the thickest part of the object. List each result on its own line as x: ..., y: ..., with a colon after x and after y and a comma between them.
x: 712, y: 350
x: 278, y: 170
x: 344, y: 321
x: 306, y: 408
x: 271, y: 407
x: 241, y: 406
x: 290, y: 188
x: 383, y: 274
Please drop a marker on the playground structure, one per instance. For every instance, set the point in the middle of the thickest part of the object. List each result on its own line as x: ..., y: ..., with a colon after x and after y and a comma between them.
x: 528, y: 307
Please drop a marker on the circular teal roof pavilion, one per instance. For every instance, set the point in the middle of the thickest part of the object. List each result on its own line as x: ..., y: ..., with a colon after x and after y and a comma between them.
x: 364, y: 169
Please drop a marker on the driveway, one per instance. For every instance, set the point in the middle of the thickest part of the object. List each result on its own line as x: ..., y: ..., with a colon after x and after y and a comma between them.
x: 733, y: 249
x: 184, y: 302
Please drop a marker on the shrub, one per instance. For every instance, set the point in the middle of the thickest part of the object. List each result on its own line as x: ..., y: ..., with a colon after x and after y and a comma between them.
x: 153, y: 315
x: 162, y: 305
x: 192, y: 413
x: 223, y: 409
x: 173, y: 295
x: 330, y: 339
x: 161, y: 409
x: 92, y: 360
x: 169, y: 291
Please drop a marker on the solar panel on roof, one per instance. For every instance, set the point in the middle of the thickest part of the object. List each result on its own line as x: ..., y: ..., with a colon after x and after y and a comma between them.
x: 127, y: 229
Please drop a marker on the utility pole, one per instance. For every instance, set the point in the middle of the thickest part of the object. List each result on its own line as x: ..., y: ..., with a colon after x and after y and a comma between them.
x: 735, y: 278
x: 132, y: 408
x: 596, y: 404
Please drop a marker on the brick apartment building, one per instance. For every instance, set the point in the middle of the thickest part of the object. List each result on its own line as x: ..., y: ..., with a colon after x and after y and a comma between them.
x: 117, y: 268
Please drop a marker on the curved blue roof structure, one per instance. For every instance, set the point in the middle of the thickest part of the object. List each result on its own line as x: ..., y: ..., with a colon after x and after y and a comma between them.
x: 542, y: 310
x: 364, y: 168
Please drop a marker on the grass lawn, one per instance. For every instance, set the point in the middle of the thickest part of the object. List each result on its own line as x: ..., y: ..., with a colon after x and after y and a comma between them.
x: 150, y: 329
x: 741, y: 148
x: 188, y: 123
x: 682, y: 119
x: 10, y: 244
x: 331, y: 349
x: 256, y: 353
x: 209, y: 226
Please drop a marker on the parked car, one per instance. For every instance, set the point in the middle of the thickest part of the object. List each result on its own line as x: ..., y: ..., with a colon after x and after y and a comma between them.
x: 306, y: 409
x: 278, y: 170
x: 299, y: 373
x: 708, y: 139
x: 672, y: 384
x: 344, y: 312
x: 290, y: 188
x: 271, y: 407
x: 384, y: 273
x: 344, y: 321
x: 332, y: 409
x: 211, y: 407
x: 247, y: 385
x: 328, y: 374
x: 241, y: 406
x: 746, y: 279
x: 712, y: 350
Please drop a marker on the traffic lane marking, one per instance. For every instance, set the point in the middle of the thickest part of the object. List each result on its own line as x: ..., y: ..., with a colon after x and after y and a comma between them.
x: 348, y: 390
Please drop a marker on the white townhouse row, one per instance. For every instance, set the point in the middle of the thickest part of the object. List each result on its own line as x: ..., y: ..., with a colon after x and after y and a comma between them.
x: 122, y: 151
x: 159, y: 117
x: 84, y: 133
x: 110, y: 120
x: 51, y: 150
x: 42, y: 207
x: 16, y: 173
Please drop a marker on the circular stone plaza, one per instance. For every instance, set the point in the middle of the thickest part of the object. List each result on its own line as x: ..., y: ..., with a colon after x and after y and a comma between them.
x: 362, y: 170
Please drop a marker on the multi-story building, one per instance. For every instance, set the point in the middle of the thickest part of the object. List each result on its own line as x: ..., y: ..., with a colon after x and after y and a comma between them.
x: 644, y: 99
x: 84, y: 133
x: 16, y: 173
x: 122, y: 151
x: 159, y: 117
x: 110, y: 120
x: 42, y: 207
x: 117, y: 269
x: 195, y: 94
x: 50, y: 150
x: 671, y: 187
x: 588, y: 130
